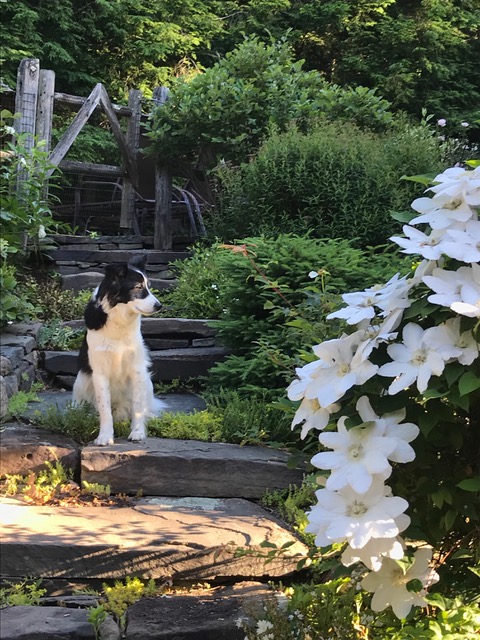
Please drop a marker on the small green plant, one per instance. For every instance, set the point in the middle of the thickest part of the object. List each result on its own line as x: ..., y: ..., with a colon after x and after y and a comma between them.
x: 96, y: 617
x: 200, y: 425
x: 123, y: 594
x: 18, y: 403
x: 57, y: 336
x: 89, y: 488
x: 22, y: 593
x: 53, y: 303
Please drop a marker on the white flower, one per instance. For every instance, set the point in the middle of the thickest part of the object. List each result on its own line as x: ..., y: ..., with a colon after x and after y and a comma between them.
x: 449, y: 338
x: 469, y: 305
x: 392, y: 426
x: 442, y: 216
x: 313, y: 274
x: 428, y: 246
x: 374, y: 552
x: 376, y: 334
x: 441, y: 122
x: 389, y: 584
x: 41, y: 232
x: 313, y: 416
x: 417, y: 359
x: 347, y: 515
x: 361, y: 304
x: 337, y: 374
x: 464, y: 245
x: 464, y: 124
x: 457, y: 183
x: 448, y: 284
x: 358, y: 454
x: 263, y: 626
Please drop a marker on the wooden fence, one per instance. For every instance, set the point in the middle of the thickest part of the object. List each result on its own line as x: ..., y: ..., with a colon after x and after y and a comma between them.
x: 34, y: 102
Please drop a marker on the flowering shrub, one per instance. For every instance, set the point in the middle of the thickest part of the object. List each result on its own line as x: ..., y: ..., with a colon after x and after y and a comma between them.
x: 406, y: 371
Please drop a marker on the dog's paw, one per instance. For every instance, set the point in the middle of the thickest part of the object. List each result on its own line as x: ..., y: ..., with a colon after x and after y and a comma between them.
x: 103, y: 441
x: 138, y: 435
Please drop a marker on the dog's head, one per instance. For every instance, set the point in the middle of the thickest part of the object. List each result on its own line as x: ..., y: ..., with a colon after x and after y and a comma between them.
x: 128, y: 284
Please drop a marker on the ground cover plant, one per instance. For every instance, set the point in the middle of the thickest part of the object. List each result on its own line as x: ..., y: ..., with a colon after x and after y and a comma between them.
x: 395, y: 402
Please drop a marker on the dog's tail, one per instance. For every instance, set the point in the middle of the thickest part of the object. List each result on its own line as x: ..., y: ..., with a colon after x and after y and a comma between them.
x: 158, y: 407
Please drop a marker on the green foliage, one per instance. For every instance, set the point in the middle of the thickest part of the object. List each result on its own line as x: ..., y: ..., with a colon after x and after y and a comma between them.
x: 200, y: 425
x: 196, y: 292
x: 96, y: 616
x: 249, y: 420
x: 291, y: 504
x: 25, y: 214
x: 80, y: 422
x: 53, y: 303
x: 57, y: 336
x: 337, y: 181
x: 122, y: 595
x: 226, y: 111
x: 22, y: 593
x: 18, y: 402
x: 15, y: 307
x: 268, y: 300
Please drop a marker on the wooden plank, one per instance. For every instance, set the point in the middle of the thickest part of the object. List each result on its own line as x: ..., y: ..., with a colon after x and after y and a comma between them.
x: 92, y: 169
x: 46, y: 90
x: 162, y: 235
x: 26, y: 105
x: 26, y: 98
x: 76, y: 126
x: 127, y: 155
x: 133, y: 140
x: 77, y: 101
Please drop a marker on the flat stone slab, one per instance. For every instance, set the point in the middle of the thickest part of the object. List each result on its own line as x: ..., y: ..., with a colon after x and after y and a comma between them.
x: 45, y: 623
x: 167, y: 538
x: 164, y: 467
x: 212, y: 614
x: 116, y: 256
x: 25, y: 449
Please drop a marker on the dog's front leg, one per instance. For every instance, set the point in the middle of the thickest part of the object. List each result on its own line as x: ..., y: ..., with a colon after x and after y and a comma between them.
x: 102, y: 398
x: 142, y: 390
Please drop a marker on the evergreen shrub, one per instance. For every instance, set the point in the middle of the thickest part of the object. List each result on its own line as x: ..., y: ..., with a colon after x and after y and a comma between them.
x: 337, y: 181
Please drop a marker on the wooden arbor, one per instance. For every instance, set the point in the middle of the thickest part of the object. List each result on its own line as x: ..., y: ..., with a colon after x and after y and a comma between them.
x: 34, y: 101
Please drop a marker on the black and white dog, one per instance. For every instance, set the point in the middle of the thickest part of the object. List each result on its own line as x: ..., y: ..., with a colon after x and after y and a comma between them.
x: 113, y: 359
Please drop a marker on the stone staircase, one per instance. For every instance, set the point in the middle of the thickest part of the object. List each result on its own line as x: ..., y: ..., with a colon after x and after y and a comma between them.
x: 198, y: 518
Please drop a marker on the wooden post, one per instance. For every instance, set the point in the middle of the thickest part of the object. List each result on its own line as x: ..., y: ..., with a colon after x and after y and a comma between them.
x: 133, y: 141
x: 46, y: 92
x: 26, y: 105
x: 162, y: 235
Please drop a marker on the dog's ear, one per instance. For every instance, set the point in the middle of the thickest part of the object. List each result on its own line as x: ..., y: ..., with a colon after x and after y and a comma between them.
x: 116, y: 271
x: 138, y: 262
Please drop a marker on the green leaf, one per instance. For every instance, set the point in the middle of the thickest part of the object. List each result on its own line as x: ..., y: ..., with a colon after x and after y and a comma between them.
x: 468, y: 382
x: 414, y: 586
x: 473, y: 163
x: 403, y: 216
x: 425, y: 179
x: 450, y: 518
x: 470, y: 484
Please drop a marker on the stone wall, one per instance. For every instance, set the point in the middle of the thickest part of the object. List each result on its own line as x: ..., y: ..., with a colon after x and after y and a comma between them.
x: 19, y: 358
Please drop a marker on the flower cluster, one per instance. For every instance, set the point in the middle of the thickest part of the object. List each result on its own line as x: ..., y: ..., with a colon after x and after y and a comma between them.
x: 355, y: 506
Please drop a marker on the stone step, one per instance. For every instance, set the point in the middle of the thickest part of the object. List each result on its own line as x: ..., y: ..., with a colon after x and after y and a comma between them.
x: 167, y: 364
x: 164, y: 467
x: 202, y: 539
x: 96, y: 256
x: 207, y: 613
x: 91, y: 279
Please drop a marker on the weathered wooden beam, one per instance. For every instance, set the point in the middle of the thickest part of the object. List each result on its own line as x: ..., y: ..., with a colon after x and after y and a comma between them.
x: 26, y: 106
x: 78, y: 101
x: 162, y: 235
x: 127, y: 155
x: 46, y: 90
x: 92, y: 169
x: 76, y: 126
x: 127, y: 211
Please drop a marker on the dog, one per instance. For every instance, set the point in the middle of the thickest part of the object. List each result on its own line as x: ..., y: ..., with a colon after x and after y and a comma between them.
x: 113, y: 359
